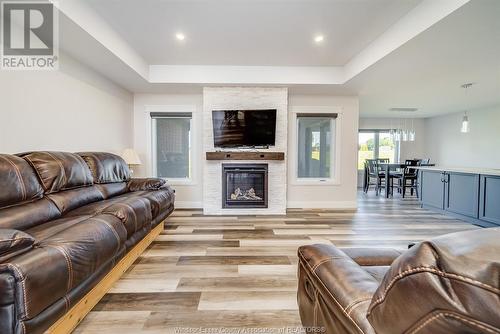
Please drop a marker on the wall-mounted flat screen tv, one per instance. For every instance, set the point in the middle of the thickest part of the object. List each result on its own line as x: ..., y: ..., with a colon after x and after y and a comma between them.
x: 244, y: 128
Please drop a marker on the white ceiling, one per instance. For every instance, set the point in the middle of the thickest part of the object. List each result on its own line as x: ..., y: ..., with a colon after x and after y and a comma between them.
x: 427, y: 72
x: 423, y: 67
x: 250, y: 32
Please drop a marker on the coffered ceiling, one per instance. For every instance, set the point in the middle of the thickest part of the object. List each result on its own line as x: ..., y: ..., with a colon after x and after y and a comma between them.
x: 251, y: 32
x: 392, y: 53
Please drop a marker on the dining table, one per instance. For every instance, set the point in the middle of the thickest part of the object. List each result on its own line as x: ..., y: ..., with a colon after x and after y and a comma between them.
x: 387, y: 167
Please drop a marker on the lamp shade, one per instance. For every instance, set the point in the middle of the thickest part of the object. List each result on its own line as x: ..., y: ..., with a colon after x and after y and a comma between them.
x: 131, y: 157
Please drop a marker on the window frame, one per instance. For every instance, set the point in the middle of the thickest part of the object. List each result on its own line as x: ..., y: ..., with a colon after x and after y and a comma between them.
x: 171, y: 113
x: 376, y: 143
x: 335, y: 145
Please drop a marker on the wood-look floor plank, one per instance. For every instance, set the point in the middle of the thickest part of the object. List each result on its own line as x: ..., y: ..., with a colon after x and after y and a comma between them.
x: 232, y: 260
x: 241, y: 271
x: 163, y: 301
x: 248, y: 300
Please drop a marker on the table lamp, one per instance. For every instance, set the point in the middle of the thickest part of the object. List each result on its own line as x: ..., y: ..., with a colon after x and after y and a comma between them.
x: 131, y: 158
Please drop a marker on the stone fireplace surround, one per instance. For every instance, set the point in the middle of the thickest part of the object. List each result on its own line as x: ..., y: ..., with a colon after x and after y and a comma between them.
x: 233, y: 98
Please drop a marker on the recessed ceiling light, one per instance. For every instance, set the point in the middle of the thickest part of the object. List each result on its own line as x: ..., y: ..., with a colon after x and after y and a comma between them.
x: 180, y: 36
x: 319, y: 38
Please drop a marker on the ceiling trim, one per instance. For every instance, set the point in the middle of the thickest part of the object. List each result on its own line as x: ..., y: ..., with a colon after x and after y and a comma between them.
x: 420, y: 18
x: 279, y: 75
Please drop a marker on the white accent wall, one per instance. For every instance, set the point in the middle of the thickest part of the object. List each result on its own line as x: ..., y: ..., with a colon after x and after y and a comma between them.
x: 341, y: 195
x: 188, y: 195
x: 447, y: 146
x: 236, y: 98
x: 72, y: 109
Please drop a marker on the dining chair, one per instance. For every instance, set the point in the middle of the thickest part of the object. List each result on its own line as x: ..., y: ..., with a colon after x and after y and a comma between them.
x: 408, y: 174
x: 373, y: 171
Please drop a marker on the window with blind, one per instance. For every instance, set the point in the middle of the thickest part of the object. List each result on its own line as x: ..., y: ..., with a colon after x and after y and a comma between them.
x: 315, y: 146
x: 171, y: 145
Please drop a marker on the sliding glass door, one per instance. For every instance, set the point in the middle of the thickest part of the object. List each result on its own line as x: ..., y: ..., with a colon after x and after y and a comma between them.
x: 376, y: 144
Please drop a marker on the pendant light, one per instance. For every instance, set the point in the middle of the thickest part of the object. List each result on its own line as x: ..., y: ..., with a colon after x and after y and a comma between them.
x: 411, y: 134
x: 404, y: 134
x: 465, y: 119
x: 465, y: 124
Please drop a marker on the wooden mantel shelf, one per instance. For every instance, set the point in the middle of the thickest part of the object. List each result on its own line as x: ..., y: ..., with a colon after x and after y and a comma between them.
x: 245, y: 155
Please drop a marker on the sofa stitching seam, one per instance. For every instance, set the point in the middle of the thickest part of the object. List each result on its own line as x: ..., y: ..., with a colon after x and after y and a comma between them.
x: 23, y: 285
x: 63, y: 174
x: 67, y: 302
x: 115, y: 233
x: 18, y: 174
x: 98, y: 161
x: 36, y: 171
x: 452, y: 315
x: 317, y: 265
x: 68, y: 263
x: 335, y: 299
x: 417, y: 270
x: 15, y: 239
x: 356, y: 303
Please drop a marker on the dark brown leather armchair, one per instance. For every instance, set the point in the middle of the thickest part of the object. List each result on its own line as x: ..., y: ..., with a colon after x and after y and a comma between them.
x: 65, y: 220
x: 450, y: 284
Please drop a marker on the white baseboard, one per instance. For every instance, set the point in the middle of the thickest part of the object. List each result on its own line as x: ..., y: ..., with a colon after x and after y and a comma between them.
x: 188, y: 205
x: 322, y: 204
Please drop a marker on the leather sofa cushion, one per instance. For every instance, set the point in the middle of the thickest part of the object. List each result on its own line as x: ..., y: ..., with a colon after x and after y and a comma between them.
x: 22, y: 217
x: 109, y: 190
x: 59, y: 171
x: 134, y: 212
x: 18, y: 181
x: 335, y: 285
x: 71, y: 256
x: 138, y: 184
x: 51, y: 228
x: 106, y: 167
x: 74, y: 198
x: 14, y: 242
x: 160, y: 200
x: 440, y: 285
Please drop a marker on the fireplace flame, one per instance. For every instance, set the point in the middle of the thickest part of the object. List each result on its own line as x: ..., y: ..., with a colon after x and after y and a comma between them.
x: 247, y: 195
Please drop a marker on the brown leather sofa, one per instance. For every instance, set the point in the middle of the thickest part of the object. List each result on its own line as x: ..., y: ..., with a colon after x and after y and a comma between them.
x: 450, y: 284
x: 65, y: 221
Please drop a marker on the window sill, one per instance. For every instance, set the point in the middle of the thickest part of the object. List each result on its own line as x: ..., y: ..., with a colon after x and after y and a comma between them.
x: 315, y: 182
x: 179, y: 182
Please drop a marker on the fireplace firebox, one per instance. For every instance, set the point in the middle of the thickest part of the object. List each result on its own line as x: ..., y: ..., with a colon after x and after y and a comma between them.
x: 244, y: 186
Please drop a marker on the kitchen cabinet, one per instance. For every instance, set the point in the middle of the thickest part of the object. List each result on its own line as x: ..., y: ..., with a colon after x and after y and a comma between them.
x: 466, y: 195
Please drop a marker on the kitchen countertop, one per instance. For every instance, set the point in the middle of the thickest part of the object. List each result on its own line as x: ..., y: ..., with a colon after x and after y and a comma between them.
x: 469, y: 170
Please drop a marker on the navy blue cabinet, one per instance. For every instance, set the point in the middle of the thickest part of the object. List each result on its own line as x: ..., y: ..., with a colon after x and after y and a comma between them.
x: 432, y: 189
x: 461, y: 194
x: 471, y: 197
x: 489, y: 199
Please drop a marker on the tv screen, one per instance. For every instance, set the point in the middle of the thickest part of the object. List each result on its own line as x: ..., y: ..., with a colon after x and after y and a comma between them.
x: 233, y: 128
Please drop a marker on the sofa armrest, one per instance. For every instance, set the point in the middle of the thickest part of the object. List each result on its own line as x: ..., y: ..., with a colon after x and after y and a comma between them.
x: 14, y: 242
x: 139, y: 184
x: 334, y: 291
x: 372, y: 256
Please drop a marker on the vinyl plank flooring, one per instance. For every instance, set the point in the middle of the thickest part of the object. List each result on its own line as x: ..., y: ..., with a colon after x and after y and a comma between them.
x: 253, y: 283
x: 163, y: 301
x: 231, y: 260
x: 248, y: 300
x: 213, y: 319
x: 236, y: 272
